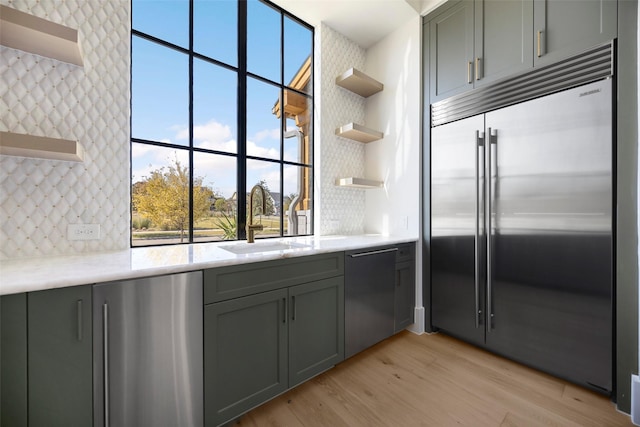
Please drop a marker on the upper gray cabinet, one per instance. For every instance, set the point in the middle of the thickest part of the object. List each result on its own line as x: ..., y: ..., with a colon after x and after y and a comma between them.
x: 565, y: 27
x: 451, y: 51
x: 475, y: 42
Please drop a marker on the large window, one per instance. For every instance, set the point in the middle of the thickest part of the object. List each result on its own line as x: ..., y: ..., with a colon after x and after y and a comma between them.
x: 221, y: 100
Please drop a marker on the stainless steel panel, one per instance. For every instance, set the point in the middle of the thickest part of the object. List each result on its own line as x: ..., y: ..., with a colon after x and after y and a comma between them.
x: 154, y: 366
x: 551, y: 234
x: 455, y: 198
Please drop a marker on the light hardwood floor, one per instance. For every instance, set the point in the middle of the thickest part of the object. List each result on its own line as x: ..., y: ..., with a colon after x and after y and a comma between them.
x: 434, y: 380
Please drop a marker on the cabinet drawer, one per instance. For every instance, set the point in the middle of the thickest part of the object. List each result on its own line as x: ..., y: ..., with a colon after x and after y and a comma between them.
x: 239, y: 280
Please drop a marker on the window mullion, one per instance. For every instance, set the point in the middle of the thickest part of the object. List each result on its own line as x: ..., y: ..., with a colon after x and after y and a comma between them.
x: 191, y: 165
x: 242, y: 121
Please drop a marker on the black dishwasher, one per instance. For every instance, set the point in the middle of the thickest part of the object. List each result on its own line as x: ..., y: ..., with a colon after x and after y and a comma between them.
x: 369, y: 297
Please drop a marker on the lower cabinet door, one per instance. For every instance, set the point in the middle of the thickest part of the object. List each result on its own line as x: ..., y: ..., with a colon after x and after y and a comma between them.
x: 60, y: 357
x: 316, y: 328
x: 245, y: 354
x: 405, y: 295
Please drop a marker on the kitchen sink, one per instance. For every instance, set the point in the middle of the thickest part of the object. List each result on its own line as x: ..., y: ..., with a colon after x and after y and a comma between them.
x: 254, y: 248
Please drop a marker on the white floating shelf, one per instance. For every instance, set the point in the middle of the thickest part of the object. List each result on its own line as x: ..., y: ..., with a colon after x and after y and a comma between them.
x: 358, y: 183
x: 358, y: 133
x: 39, y: 147
x: 358, y: 82
x: 19, y: 30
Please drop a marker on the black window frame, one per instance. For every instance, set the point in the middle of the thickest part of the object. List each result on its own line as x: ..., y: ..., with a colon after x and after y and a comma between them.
x: 241, y: 137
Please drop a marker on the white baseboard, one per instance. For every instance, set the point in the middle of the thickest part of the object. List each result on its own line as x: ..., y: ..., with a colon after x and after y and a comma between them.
x: 418, y: 324
x: 635, y: 399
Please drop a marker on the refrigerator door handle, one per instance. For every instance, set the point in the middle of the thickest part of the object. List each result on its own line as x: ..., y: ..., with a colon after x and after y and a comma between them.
x: 479, y: 186
x: 492, y: 140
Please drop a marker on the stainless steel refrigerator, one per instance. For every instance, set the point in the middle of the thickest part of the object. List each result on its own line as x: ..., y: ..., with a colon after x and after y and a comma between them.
x: 521, y: 249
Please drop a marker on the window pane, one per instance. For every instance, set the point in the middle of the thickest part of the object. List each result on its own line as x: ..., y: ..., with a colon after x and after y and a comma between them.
x: 296, y: 137
x: 215, y: 202
x: 263, y: 126
x: 160, y: 195
x: 297, y: 56
x: 215, y: 30
x: 297, y: 200
x: 165, y: 19
x: 159, y: 93
x: 267, y: 174
x: 263, y: 40
x: 214, y: 107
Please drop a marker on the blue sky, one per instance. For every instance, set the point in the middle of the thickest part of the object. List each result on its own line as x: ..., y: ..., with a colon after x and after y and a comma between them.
x: 160, y: 109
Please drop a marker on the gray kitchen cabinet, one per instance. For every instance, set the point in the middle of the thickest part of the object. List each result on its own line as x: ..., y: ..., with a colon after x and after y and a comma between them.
x: 451, y: 38
x: 405, y: 291
x: 245, y: 347
x: 473, y: 43
x: 13, y: 360
x: 60, y: 357
x: 563, y: 28
x: 47, y: 358
x: 503, y: 39
x: 268, y: 326
x: 316, y: 328
x: 476, y: 42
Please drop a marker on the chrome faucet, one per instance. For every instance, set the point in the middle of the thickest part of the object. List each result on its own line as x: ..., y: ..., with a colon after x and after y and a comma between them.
x: 251, y: 227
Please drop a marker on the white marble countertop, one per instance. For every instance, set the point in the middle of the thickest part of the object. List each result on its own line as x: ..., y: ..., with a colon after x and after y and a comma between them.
x: 34, y: 274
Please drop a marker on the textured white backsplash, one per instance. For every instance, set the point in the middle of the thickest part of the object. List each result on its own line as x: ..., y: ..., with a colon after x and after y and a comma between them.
x: 342, y: 209
x: 44, y: 97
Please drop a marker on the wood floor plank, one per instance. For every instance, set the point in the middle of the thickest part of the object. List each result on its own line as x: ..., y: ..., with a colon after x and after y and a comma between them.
x: 434, y: 380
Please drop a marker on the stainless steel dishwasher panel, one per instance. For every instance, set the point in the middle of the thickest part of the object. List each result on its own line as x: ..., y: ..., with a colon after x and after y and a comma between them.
x: 369, y: 298
x: 148, y: 350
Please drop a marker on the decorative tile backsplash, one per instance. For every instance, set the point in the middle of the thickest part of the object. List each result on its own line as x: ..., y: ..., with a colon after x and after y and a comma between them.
x: 343, y: 209
x: 90, y: 104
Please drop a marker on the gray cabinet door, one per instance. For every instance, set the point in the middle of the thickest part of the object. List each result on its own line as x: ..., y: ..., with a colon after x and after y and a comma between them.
x: 503, y: 39
x: 245, y: 354
x: 563, y: 28
x: 13, y: 360
x: 451, y: 51
x: 60, y: 357
x: 316, y: 328
x: 405, y: 295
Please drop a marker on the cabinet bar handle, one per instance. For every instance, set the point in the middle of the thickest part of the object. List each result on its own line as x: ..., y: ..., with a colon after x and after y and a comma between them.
x: 293, y: 309
x: 284, y: 303
x: 381, y: 251
x: 539, y: 40
x: 478, y: 77
x: 469, y: 71
x: 79, y: 318
x: 105, y: 360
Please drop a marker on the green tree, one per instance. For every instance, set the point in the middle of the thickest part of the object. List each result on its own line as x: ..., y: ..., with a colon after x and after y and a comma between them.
x: 164, y: 198
x: 221, y: 205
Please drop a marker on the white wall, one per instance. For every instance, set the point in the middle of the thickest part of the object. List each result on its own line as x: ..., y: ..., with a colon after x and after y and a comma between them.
x: 395, y: 159
x: 90, y: 104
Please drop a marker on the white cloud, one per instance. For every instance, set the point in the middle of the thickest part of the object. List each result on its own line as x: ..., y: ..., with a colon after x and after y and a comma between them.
x: 267, y: 134
x: 254, y: 149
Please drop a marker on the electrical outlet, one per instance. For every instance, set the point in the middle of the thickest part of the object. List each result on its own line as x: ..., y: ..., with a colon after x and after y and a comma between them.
x: 83, y: 231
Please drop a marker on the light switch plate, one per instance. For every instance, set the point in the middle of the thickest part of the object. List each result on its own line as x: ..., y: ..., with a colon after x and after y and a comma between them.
x: 83, y: 232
